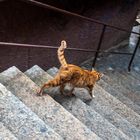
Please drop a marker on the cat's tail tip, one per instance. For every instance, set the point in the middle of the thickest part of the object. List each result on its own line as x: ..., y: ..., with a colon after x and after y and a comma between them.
x: 64, y: 44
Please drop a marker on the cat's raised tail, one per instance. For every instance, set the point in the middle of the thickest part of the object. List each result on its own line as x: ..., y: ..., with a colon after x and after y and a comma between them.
x: 60, y: 53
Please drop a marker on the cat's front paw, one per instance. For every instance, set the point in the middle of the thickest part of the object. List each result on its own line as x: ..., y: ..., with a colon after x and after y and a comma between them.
x: 39, y: 93
x: 93, y: 96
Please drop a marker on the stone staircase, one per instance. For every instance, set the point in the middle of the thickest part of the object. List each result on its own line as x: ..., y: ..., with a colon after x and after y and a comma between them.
x: 114, y: 113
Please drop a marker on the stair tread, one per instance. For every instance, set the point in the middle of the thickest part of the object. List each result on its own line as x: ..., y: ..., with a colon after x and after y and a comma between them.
x: 134, y: 83
x: 46, y: 108
x: 94, y: 120
x: 109, y: 101
x: 20, y: 120
x: 84, y: 112
x: 135, y: 74
x: 126, y: 80
x: 52, y: 71
x: 120, y: 84
x: 119, y: 96
x: 6, y: 134
x: 117, y: 120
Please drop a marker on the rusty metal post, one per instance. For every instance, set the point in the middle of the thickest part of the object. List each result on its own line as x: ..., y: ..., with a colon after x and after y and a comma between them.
x: 99, y: 46
x: 133, y: 55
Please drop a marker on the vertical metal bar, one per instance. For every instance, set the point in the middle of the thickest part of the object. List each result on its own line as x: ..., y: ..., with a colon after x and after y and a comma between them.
x: 99, y: 46
x: 133, y: 55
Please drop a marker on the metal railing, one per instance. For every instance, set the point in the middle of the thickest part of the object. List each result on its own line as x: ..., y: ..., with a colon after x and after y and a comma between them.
x: 98, y: 49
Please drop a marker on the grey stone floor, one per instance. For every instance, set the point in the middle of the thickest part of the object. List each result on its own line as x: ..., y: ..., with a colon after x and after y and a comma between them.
x: 115, y: 61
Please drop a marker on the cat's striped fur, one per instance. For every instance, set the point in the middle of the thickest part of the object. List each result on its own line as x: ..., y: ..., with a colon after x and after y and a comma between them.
x: 72, y: 74
x: 60, y: 53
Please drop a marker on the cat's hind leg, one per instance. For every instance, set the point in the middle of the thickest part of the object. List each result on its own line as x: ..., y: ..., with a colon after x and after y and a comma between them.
x: 52, y: 83
x: 62, y: 86
x: 71, y: 91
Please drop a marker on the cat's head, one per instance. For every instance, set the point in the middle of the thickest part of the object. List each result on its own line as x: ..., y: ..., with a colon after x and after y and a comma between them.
x: 96, y: 75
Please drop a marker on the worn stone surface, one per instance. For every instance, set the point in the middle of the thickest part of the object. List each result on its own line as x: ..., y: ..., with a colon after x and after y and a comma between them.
x: 135, y: 74
x: 87, y: 115
x: 118, y: 83
x: 45, y: 107
x: 128, y: 82
x: 117, y: 120
x: 134, y: 82
x: 106, y: 99
x: 37, y: 73
x: 52, y: 71
x: 21, y: 121
x: 93, y: 120
x: 114, y: 111
x: 6, y: 134
x: 119, y: 96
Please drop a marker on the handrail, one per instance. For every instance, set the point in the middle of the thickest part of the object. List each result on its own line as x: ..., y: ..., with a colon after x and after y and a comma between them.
x: 56, y: 47
x: 44, y: 5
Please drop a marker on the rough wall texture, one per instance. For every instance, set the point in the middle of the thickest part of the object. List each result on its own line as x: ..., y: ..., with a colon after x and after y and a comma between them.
x: 25, y: 23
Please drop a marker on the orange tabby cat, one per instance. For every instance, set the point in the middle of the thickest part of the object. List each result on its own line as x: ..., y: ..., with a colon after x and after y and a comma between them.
x: 71, y: 74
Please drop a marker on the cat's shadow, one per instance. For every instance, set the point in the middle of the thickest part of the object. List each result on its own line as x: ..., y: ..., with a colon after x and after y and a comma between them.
x: 78, y: 93
x: 63, y: 98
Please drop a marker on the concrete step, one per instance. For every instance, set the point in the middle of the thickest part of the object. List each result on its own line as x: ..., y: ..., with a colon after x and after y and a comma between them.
x: 127, y: 80
x: 134, y: 79
x: 52, y: 113
x: 85, y: 113
x: 96, y: 122
x: 52, y: 71
x: 119, y: 96
x: 6, y: 134
x: 106, y: 100
x: 114, y: 111
x: 20, y: 120
x: 129, y: 87
x: 135, y: 74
